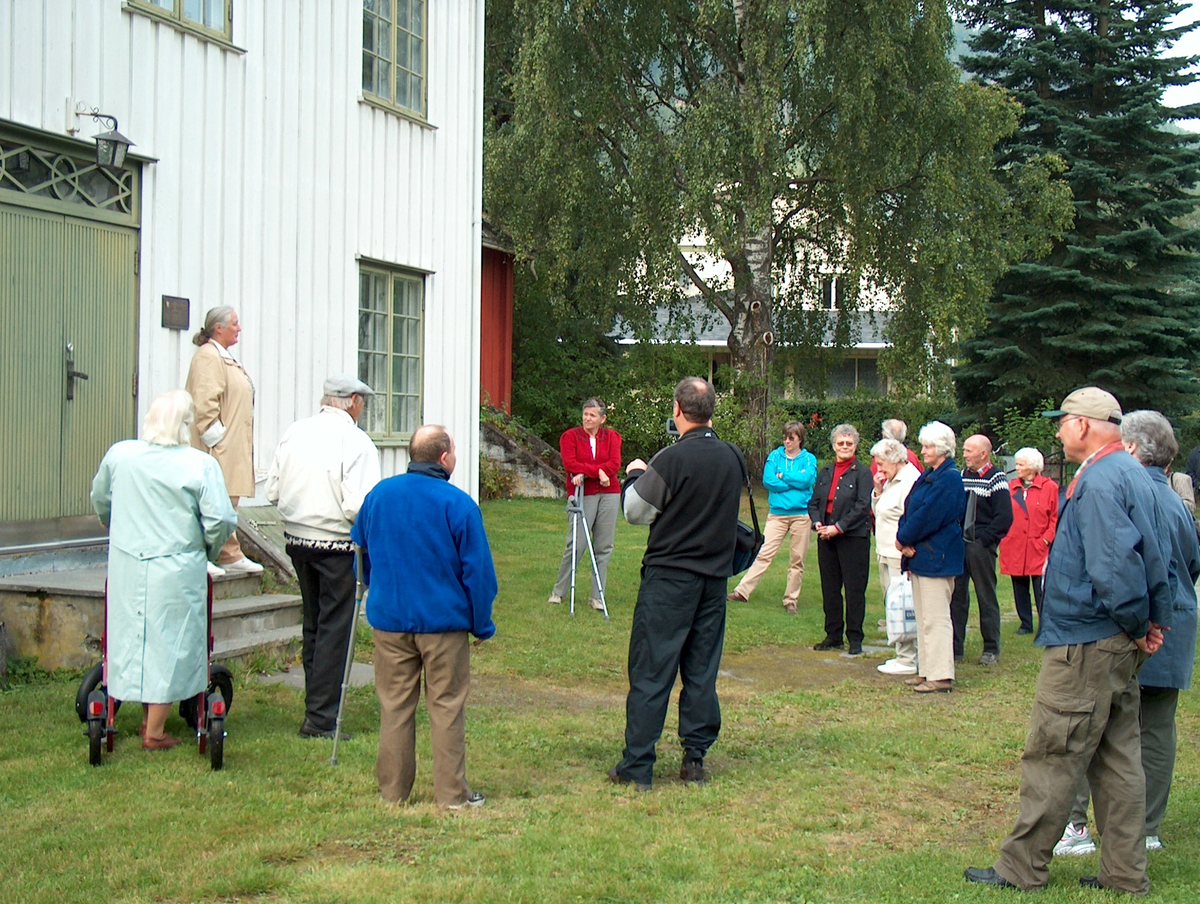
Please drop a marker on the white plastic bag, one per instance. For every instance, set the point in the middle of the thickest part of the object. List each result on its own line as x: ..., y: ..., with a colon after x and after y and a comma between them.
x: 901, y: 616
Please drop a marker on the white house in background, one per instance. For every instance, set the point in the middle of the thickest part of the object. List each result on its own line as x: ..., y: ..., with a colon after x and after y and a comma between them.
x: 701, y: 325
x: 317, y: 165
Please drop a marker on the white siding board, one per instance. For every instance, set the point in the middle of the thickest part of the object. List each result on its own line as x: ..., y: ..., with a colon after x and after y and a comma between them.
x: 271, y: 177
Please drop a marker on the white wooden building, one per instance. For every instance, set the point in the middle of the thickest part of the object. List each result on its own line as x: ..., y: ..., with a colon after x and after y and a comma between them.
x: 316, y: 164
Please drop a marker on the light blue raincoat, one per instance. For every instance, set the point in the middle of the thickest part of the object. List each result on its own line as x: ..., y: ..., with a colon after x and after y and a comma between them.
x: 168, y: 514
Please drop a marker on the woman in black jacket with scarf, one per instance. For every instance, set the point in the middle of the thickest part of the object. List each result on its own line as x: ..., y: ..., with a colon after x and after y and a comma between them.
x: 840, y: 510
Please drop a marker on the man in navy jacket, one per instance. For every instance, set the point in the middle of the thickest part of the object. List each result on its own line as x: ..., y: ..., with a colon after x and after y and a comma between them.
x: 432, y: 583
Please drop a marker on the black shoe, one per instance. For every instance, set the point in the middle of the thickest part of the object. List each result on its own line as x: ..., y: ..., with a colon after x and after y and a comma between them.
x: 1024, y: 630
x: 618, y: 779
x: 958, y: 657
x: 828, y: 644
x: 692, y: 771
x: 855, y: 650
x: 987, y: 876
x: 1090, y: 882
x: 308, y: 730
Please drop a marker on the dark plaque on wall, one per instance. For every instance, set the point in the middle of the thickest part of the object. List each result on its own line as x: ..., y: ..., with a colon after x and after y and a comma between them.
x: 176, y: 313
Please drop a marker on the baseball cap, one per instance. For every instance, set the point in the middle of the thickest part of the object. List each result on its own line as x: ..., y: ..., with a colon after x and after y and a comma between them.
x: 1091, y: 401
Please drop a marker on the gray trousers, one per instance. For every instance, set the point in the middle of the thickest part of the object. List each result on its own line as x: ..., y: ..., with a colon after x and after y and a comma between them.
x: 1084, y: 722
x: 1158, y: 757
x: 600, y: 513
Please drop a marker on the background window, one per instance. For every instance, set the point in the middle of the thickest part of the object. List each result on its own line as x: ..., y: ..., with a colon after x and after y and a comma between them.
x: 209, y: 15
x: 394, y: 52
x: 390, y: 331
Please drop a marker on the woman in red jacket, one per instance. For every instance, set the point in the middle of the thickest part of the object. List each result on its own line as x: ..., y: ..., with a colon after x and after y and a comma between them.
x: 1024, y: 549
x: 591, y: 457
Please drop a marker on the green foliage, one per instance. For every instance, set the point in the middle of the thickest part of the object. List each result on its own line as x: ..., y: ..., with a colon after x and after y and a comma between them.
x: 1116, y: 301
x: 495, y: 482
x: 819, y: 417
x: 1020, y: 429
x: 798, y: 138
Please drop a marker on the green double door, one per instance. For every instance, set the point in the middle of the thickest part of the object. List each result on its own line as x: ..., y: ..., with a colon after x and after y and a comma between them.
x: 68, y: 310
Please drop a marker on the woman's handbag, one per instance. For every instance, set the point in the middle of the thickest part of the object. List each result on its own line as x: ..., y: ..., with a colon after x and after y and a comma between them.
x: 748, y: 541
x: 901, y: 616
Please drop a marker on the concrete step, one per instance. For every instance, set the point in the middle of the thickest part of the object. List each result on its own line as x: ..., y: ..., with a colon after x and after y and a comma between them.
x: 89, y: 582
x: 282, y: 640
x: 247, y: 615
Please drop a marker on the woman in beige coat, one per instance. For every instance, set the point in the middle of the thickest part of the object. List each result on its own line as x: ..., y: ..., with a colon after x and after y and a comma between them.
x: 224, y: 425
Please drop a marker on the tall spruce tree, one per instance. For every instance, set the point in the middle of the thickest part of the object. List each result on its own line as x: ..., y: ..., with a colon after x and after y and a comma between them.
x: 1116, y: 303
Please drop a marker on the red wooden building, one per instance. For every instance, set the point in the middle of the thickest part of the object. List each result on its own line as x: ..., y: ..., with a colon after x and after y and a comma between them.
x: 496, y: 322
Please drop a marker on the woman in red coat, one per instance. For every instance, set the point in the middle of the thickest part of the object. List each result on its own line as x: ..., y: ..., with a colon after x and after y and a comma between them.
x: 591, y: 457
x: 1024, y: 549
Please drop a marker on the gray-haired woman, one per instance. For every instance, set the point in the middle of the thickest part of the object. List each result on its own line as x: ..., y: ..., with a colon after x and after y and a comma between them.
x: 840, y: 510
x: 894, y: 478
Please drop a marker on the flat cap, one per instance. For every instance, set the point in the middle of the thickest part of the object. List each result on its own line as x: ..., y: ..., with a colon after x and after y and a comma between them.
x: 342, y: 386
x: 1091, y: 401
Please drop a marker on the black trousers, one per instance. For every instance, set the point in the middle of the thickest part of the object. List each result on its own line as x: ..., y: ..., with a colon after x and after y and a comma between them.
x: 844, y: 562
x: 678, y: 628
x: 980, y: 570
x: 1021, y: 598
x: 327, y: 588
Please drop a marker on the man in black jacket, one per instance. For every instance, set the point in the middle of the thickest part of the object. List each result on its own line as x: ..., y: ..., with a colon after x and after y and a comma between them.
x: 988, y: 518
x: 689, y: 494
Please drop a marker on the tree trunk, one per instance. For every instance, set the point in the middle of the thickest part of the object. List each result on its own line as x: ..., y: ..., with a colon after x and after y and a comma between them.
x: 752, y: 336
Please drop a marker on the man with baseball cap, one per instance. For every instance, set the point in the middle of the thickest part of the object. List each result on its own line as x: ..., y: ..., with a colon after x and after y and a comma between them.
x: 1105, y: 601
x: 322, y: 471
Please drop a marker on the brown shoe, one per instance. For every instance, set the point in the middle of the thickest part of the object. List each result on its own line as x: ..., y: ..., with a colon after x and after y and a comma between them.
x: 734, y: 598
x: 166, y: 742
x: 789, y: 608
x: 935, y: 687
x: 914, y: 681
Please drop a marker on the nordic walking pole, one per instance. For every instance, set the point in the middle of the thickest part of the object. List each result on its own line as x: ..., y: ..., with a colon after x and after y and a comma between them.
x: 360, y: 592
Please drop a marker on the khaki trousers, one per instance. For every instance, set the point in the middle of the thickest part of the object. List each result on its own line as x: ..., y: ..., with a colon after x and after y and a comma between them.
x: 906, y: 650
x: 1084, y: 721
x: 935, y: 631
x: 399, y: 661
x: 776, y: 528
x: 232, y: 550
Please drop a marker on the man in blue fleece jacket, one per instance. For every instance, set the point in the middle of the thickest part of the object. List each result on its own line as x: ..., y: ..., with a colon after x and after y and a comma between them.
x: 432, y: 582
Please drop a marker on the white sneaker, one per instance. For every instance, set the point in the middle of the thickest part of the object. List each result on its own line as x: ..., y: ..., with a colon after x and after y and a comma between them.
x: 1075, y: 842
x: 243, y: 566
x: 1153, y: 843
x: 596, y: 604
x: 215, y: 570
x: 555, y: 599
x: 892, y: 667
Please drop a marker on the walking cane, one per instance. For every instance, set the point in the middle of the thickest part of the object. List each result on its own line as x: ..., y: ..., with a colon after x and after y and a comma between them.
x: 360, y: 591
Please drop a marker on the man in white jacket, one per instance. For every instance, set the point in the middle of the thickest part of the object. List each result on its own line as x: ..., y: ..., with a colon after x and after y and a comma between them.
x: 323, y: 469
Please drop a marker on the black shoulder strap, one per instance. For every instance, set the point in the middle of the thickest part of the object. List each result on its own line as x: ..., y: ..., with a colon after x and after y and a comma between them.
x: 749, y: 494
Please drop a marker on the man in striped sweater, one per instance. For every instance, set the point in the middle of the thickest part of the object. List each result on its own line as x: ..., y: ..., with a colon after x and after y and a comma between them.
x: 988, y: 518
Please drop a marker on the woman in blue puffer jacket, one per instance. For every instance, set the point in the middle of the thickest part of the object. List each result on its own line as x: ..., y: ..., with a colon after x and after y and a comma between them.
x: 788, y: 475
x: 930, y: 541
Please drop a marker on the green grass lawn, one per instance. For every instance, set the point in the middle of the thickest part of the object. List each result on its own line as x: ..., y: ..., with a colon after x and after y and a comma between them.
x: 830, y: 782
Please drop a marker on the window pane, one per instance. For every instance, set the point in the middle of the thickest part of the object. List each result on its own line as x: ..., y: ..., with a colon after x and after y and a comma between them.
x: 214, y: 15
x: 383, y: 39
x: 381, y: 292
x: 402, y: 13
x: 416, y: 63
x: 165, y: 4
x: 417, y: 25
x: 402, y: 88
x: 415, y: 101
x: 402, y: 51
x: 368, y: 78
x: 383, y: 76
x: 385, y: 9
x: 194, y: 10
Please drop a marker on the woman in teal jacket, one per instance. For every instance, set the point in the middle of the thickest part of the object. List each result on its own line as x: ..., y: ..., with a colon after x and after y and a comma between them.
x: 788, y: 475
